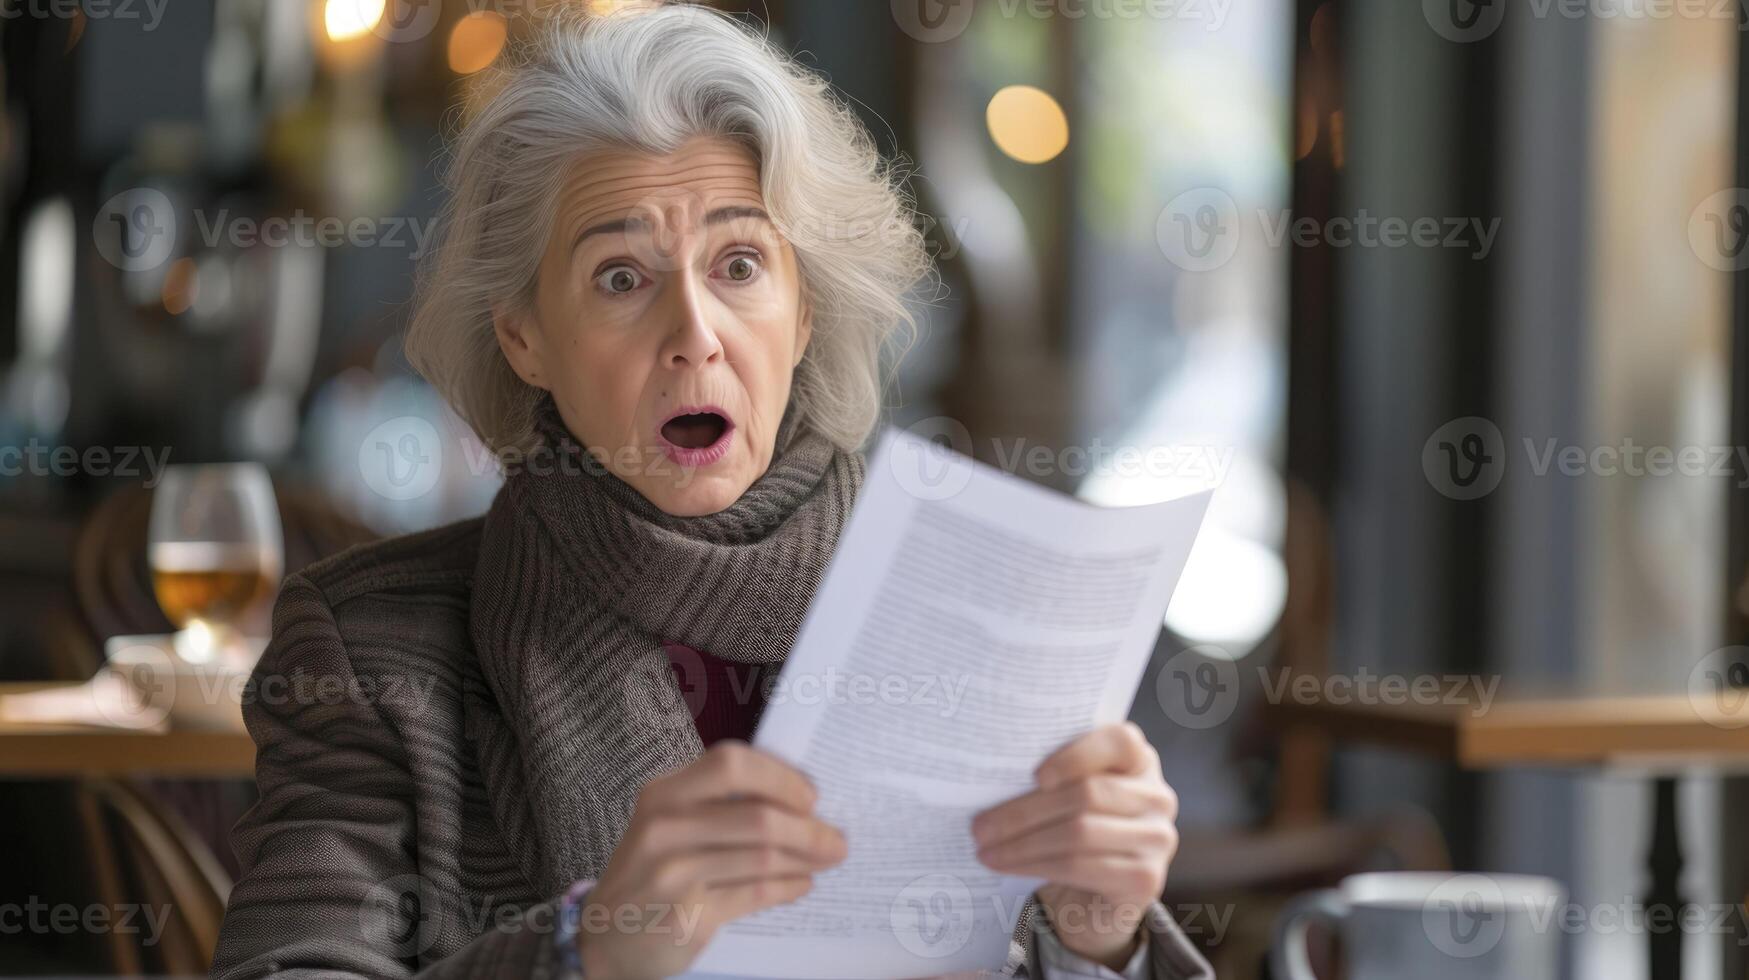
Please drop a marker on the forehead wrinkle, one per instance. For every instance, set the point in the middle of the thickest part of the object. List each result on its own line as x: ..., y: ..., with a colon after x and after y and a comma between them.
x: 611, y: 187
x: 741, y: 221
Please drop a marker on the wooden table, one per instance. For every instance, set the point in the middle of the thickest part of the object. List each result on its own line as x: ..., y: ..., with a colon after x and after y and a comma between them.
x: 41, y: 751
x: 92, y: 756
x: 1663, y: 734
x: 1655, y: 731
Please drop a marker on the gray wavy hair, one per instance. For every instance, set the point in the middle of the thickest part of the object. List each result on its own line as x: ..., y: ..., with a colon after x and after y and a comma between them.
x: 648, y: 79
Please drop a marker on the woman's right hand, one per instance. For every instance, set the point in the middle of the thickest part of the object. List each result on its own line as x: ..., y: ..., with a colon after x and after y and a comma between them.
x: 730, y: 834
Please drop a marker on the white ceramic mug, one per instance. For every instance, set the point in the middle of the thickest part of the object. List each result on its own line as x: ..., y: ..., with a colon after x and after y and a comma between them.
x: 1393, y: 925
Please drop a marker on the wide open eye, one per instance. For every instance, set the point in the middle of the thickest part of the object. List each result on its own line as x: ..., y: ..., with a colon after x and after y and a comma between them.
x: 619, y: 280
x: 741, y: 267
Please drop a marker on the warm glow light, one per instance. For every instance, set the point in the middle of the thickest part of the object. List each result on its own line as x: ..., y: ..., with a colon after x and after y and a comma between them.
x: 181, y: 286
x: 1027, y: 124
x: 602, y: 8
x: 195, y: 643
x: 347, y: 19
x: 476, y: 41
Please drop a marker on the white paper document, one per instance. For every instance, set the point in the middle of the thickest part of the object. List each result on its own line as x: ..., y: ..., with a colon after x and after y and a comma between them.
x: 969, y: 625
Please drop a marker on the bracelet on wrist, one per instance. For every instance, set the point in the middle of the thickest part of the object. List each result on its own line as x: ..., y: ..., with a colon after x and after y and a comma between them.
x: 570, y: 916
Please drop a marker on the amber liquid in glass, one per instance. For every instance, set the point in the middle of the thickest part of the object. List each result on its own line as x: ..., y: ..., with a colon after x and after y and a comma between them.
x: 211, y: 583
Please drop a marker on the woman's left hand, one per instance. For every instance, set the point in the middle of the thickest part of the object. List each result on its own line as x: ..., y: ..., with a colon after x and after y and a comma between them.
x: 1100, y: 828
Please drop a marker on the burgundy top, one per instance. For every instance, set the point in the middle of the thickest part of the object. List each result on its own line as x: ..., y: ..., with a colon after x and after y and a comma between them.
x: 725, y: 697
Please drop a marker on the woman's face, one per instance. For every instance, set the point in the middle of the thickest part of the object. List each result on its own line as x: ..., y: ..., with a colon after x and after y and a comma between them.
x: 667, y: 323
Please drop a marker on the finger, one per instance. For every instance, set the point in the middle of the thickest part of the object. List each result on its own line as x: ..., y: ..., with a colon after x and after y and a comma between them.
x: 1114, y: 748
x: 1123, y: 796
x: 1088, y: 834
x: 719, y: 867
x: 733, y: 769
x: 729, y: 902
x: 1117, y: 878
x: 745, y: 823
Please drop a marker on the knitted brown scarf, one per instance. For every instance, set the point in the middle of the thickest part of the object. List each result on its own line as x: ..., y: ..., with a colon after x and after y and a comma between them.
x: 571, y: 700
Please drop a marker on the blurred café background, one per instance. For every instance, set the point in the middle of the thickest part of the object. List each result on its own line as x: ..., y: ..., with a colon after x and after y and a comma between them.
x: 1445, y: 298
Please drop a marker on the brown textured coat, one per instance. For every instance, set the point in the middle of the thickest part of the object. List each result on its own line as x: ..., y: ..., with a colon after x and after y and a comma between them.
x: 373, y: 851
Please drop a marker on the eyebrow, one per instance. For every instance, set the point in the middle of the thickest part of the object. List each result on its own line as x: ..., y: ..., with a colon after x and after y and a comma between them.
x: 717, y: 217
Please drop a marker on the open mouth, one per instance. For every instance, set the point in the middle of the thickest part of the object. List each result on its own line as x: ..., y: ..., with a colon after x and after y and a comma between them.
x: 697, y: 436
x: 695, y: 431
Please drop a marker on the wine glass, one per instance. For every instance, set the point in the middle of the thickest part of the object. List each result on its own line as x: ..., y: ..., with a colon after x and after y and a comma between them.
x: 216, y: 551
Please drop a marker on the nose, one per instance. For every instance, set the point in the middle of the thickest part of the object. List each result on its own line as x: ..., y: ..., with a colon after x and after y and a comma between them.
x: 691, y: 340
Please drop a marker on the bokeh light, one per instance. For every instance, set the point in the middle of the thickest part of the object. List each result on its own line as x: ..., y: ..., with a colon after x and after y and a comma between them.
x: 348, y: 19
x: 181, y: 286
x: 477, y: 41
x: 1027, y: 124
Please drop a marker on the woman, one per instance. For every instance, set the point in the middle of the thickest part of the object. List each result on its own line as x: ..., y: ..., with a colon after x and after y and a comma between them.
x: 669, y: 265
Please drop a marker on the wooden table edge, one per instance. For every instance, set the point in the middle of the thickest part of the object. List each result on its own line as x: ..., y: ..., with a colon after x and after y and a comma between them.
x: 1653, y: 730
x: 47, y: 754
